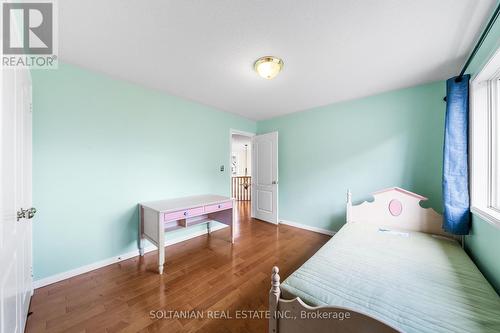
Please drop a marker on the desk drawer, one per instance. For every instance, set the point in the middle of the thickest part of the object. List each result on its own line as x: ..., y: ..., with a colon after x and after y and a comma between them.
x: 182, y: 214
x: 217, y: 207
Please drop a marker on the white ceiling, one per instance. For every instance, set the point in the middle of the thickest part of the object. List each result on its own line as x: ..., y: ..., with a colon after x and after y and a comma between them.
x: 333, y: 49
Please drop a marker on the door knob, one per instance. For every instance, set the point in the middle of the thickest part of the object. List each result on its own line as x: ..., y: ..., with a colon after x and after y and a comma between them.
x: 275, y: 182
x: 31, y: 212
x: 20, y: 214
x: 26, y: 213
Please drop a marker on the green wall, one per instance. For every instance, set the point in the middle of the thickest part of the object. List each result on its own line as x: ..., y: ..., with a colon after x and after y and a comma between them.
x: 100, y: 146
x: 391, y: 139
x: 483, y: 244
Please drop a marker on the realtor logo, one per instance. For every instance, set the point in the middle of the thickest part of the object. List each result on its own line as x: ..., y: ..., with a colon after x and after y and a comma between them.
x: 28, y: 34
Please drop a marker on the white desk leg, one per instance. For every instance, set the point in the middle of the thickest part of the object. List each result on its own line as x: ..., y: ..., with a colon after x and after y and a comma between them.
x: 141, y: 231
x: 161, y: 244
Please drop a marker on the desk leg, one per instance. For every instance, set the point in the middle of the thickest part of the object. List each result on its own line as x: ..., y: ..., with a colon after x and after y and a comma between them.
x: 208, y: 227
x: 161, y: 244
x: 141, y: 231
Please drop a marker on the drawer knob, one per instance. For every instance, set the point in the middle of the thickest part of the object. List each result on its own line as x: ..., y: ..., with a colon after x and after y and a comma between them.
x: 185, y: 213
x: 218, y: 206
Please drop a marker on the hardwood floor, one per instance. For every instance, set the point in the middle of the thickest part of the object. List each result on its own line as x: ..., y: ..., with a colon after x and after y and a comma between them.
x: 203, y: 274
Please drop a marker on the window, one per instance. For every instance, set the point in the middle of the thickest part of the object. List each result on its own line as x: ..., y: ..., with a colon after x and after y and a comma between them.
x: 494, y: 144
x: 485, y: 141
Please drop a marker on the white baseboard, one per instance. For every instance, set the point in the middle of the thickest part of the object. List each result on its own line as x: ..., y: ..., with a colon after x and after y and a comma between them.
x: 308, y: 227
x: 102, y: 263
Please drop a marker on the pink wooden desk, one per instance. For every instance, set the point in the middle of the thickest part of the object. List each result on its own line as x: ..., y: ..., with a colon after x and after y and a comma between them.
x: 158, y: 217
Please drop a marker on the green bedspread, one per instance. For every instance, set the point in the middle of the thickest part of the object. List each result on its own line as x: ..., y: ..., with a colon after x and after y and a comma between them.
x: 413, y: 281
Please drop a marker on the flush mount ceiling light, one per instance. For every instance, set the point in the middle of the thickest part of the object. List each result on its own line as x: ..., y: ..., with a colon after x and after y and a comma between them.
x: 268, y: 67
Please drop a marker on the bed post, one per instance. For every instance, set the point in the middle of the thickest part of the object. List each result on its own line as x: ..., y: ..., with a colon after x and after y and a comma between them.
x: 274, y: 296
x: 348, y: 206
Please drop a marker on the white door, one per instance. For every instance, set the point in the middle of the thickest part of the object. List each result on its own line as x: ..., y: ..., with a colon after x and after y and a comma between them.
x: 15, y: 194
x: 265, y: 177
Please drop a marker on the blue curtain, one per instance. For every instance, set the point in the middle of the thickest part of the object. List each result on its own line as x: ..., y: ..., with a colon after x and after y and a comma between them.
x: 455, y: 161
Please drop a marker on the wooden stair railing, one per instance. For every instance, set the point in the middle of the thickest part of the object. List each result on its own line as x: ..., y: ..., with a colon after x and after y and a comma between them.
x: 240, y: 188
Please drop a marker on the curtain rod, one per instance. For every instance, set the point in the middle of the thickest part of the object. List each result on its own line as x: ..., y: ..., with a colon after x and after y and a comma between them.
x: 486, y: 30
x: 480, y: 41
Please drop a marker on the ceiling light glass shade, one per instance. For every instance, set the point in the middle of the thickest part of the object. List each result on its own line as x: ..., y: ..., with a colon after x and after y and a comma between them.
x: 268, y: 67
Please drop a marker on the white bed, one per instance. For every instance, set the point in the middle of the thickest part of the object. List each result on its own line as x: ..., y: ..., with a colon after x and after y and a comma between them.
x: 390, y: 268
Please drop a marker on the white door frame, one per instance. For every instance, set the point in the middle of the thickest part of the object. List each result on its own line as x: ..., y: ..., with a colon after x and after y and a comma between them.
x: 237, y: 132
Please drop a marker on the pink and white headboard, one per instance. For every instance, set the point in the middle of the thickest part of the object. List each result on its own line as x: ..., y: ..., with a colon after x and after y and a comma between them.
x: 396, y: 208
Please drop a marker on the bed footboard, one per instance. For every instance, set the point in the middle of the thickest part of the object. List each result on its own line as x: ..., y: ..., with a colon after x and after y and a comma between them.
x: 294, y: 316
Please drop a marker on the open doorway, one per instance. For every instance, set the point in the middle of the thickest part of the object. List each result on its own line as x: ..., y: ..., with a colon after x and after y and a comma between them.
x: 254, y: 174
x: 241, y: 166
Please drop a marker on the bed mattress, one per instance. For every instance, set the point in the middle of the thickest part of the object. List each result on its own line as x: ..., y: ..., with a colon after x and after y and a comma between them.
x: 413, y: 281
